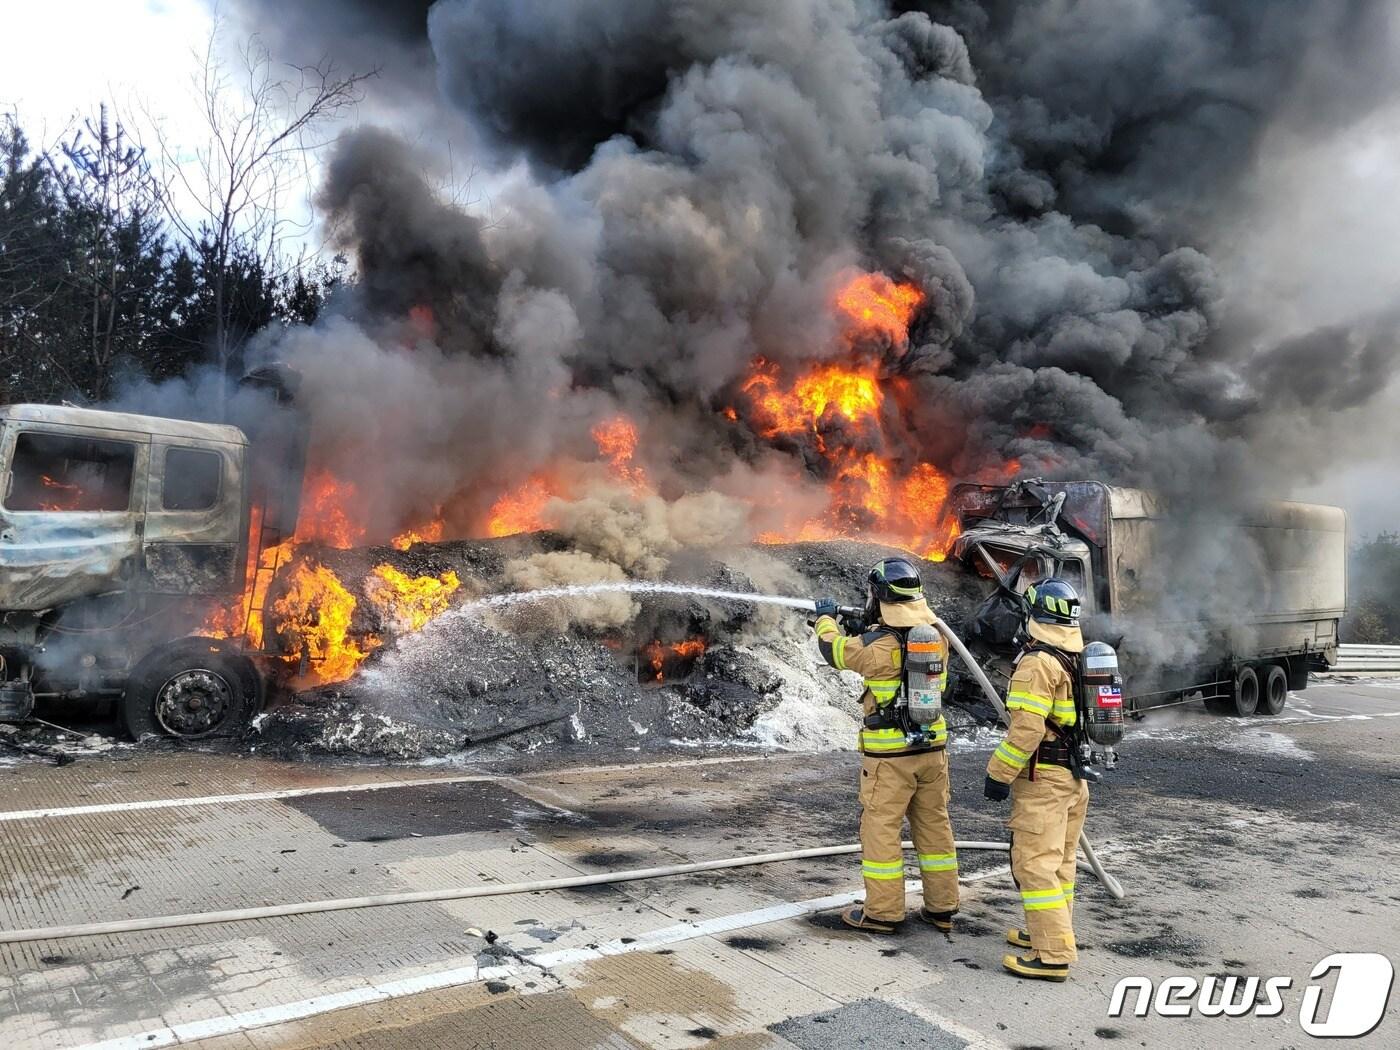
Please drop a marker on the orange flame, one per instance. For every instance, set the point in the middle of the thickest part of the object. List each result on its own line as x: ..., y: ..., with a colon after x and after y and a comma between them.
x: 852, y: 393
x: 521, y: 510
x: 325, y: 512
x: 432, y: 532
x: 873, y: 493
x: 659, y: 654
x: 408, y: 602
x: 316, y: 612
x: 875, y: 304
x: 616, y: 439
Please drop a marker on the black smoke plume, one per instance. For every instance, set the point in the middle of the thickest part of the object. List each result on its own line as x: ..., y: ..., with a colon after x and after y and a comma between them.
x: 675, y: 187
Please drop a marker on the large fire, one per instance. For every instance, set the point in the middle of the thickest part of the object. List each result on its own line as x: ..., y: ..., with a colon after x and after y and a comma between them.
x: 407, y: 602
x: 313, y: 613
x: 314, y: 618
x: 616, y: 439
x: 877, y: 488
x: 521, y: 509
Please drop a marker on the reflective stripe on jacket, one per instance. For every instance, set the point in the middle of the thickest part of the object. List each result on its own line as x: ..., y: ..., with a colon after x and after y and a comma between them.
x: 1040, y: 692
x: 876, y: 656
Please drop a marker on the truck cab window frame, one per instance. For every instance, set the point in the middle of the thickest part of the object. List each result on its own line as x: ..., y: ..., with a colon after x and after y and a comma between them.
x: 192, y: 479
x: 54, y: 473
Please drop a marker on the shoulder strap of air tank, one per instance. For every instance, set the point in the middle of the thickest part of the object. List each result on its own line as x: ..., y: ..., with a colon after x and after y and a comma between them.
x: 872, y: 635
x: 900, y: 635
x: 1068, y: 661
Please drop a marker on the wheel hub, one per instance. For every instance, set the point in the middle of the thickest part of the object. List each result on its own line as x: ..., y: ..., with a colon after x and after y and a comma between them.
x: 193, y: 703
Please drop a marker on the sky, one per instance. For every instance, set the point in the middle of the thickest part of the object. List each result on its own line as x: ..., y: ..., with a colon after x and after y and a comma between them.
x: 63, y: 56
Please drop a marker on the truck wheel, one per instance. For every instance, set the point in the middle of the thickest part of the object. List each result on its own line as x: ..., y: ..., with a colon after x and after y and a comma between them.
x: 1246, y: 692
x: 1274, y: 693
x: 188, y: 690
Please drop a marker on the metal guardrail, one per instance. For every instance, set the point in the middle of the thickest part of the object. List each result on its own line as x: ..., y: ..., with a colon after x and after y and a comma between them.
x: 1352, y: 659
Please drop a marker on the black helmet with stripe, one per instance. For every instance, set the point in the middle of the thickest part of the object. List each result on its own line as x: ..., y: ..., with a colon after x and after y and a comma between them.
x: 892, y: 580
x: 1053, y: 600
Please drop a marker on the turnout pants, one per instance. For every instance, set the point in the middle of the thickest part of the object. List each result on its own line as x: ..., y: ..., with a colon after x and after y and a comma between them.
x: 892, y: 787
x: 1047, y: 814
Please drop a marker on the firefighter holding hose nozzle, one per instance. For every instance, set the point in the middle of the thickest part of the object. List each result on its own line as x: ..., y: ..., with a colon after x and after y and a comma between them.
x: 894, y: 646
x: 1040, y: 766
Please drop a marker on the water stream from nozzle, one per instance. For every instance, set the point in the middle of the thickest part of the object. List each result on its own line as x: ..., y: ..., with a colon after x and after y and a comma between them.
x: 583, y: 590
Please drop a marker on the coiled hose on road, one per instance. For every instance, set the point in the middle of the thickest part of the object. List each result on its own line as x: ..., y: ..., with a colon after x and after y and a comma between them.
x: 166, y: 922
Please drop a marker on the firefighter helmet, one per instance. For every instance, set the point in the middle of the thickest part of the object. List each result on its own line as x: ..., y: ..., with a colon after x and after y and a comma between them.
x: 894, y: 580
x: 1054, y: 601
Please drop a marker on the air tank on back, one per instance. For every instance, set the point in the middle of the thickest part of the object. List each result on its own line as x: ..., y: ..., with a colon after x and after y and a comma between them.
x: 924, y: 675
x: 1102, y: 688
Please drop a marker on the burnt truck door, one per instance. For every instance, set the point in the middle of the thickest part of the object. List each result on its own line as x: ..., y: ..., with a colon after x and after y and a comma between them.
x: 70, y: 509
x: 196, y: 516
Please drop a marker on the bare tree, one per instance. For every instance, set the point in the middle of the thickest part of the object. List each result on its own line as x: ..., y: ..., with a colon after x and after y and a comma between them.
x: 260, y: 129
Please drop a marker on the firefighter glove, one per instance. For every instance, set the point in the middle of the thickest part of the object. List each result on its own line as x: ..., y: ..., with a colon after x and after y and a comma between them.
x: 995, y: 790
x: 826, y: 607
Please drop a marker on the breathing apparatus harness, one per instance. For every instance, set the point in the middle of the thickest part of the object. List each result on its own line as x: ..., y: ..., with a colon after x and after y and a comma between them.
x: 1097, y: 688
x: 918, y: 704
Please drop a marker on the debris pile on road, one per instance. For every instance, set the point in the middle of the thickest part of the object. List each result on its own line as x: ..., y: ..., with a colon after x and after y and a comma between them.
x: 620, y: 670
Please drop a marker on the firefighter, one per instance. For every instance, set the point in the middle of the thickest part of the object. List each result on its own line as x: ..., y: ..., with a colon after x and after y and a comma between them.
x: 1035, y: 765
x: 901, y: 773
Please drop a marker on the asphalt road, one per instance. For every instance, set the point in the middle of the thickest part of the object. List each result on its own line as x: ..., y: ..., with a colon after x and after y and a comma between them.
x: 1248, y: 847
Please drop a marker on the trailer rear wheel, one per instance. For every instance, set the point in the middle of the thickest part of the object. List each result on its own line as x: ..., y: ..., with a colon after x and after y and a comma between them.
x: 1274, y: 693
x: 188, y: 690
x: 1246, y: 692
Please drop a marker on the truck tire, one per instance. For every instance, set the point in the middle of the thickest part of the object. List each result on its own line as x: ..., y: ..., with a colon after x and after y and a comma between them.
x: 189, y: 689
x: 1273, y: 694
x: 1246, y: 692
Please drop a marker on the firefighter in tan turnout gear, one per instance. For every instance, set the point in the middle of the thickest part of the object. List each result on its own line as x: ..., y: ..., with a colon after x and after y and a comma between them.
x: 1035, y: 764
x: 904, y: 765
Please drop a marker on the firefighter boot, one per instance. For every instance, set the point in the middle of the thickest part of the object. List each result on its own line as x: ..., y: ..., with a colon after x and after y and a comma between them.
x: 1034, y: 967
x: 1018, y: 939
x: 855, y: 917
x: 940, y: 920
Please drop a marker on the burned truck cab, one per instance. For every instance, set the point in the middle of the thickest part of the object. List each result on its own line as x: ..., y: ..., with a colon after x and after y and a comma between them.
x: 116, y: 530
x: 1018, y: 534
x: 1013, y: 536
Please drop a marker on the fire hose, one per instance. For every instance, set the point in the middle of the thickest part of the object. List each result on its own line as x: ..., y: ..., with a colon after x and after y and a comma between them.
x: 454, y: 893
x: 165, y: 922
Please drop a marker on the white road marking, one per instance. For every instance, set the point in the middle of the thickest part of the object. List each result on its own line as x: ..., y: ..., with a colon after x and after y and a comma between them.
x: 380, y: 991
x: 376, y: 785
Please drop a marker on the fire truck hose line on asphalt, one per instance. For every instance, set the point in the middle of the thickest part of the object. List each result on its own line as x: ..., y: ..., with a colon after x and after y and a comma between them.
x: 207, y: 918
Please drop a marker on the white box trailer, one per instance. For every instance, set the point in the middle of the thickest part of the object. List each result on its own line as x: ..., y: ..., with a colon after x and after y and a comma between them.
x: 1236, y: 607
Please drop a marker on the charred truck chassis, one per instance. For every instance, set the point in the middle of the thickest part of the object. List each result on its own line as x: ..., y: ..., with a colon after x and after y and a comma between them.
x: 1120, y: 548
x: 122, y: 538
